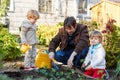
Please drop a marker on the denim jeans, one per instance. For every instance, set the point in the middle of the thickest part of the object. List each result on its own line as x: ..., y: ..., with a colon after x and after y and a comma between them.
x: 63, y: 56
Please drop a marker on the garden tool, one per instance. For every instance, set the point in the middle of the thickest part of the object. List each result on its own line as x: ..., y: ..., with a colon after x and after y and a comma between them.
x: 56, y: 64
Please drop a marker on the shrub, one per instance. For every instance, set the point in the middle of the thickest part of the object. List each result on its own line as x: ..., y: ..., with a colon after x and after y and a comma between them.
x: 46, y: 33
x: 111, y: 43
x: 8, y: 45
x: 92, y: 25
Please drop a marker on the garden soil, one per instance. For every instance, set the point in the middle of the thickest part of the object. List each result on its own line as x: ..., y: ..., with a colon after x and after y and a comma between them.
x: 15, y: 70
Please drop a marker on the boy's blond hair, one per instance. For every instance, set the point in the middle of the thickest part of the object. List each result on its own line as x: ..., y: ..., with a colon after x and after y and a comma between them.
x: 32, y: 14
x: 96, y: 34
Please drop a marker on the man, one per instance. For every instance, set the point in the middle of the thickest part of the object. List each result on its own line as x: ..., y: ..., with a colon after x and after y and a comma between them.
x: 73, y: 40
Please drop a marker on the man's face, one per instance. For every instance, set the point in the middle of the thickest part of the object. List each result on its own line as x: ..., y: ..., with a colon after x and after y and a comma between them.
x: 70, y: 30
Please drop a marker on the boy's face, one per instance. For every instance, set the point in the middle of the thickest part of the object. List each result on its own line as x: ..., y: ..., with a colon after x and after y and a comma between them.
x: 94, y: 40
x: 33, y: 20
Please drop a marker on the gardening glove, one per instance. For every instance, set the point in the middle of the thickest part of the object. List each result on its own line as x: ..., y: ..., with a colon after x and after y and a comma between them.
x: 70, y: 60
x: 51, y: 55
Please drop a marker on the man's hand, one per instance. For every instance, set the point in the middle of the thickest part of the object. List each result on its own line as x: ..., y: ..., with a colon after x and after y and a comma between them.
x: 51, y: 55
x: 70, y: 60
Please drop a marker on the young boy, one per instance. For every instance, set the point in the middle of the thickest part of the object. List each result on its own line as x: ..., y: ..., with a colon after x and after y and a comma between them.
x: 28, y: 37
x: 95, y: 63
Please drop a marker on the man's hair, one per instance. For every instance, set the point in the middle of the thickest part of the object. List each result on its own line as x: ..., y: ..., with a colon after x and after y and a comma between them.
x: 70, y: 21
x: 32, y: 14
x: 96, y: 34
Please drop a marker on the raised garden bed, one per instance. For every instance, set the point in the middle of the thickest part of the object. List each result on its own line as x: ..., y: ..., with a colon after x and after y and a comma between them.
x: 14, y: 70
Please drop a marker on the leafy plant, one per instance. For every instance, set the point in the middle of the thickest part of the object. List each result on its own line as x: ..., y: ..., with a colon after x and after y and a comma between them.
x: 46, y: 33
x: 63, y: 74
x: 92, y: 25
x: 111, y: 43
x: 4, y: 77
x: 3, y: 9
x: 1, y: 57
x: 118, y: 67
x: 8, y: 45
x: 60, y: 24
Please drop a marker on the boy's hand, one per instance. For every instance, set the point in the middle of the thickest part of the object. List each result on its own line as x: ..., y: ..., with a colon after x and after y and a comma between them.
x: 25, y: 44
x: 83, y: 65
x: 88, y: 68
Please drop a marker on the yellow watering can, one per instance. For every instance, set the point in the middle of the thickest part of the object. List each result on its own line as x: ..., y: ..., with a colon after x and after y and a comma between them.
x: 42, y: 60
x: 24, y: 48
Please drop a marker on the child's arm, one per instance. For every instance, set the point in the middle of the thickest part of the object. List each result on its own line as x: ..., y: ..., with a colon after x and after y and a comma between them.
x: 23, y: 35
